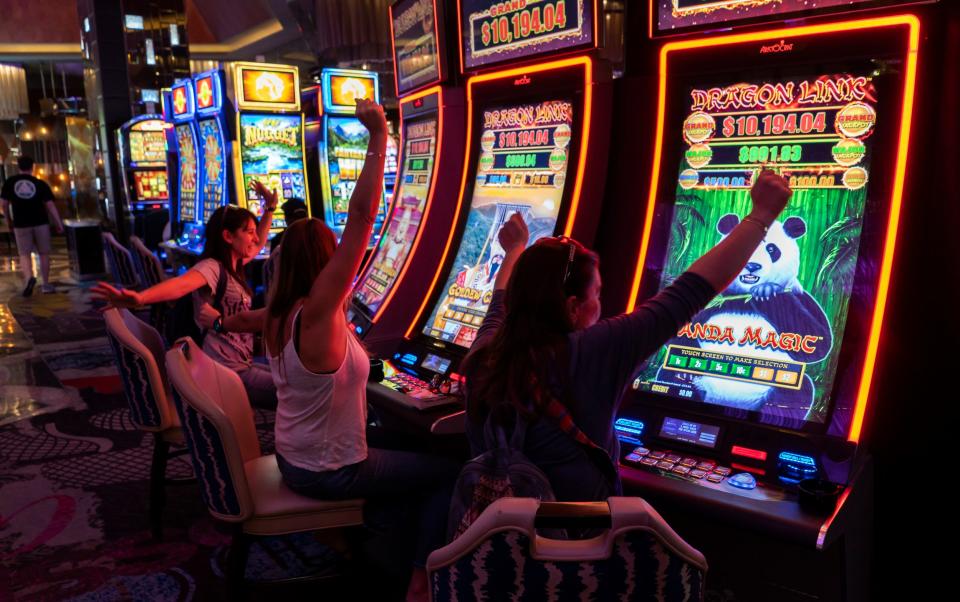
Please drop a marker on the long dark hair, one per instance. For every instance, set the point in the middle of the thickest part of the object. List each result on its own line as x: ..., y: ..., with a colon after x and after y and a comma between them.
x: 229, y: 218
x: 519, y: 366
x: 306, y: 249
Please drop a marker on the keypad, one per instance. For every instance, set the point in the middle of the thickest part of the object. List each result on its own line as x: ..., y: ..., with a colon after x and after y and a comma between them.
x: 684, y: 466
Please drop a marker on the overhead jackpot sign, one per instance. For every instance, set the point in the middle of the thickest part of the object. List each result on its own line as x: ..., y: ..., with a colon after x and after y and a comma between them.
x: 494, y: 32
x: 415, y: 44
x: 181, y: 101
x: 680, y: 15
x: 262, y: 86
x: 207, y: 93
x: 343, y: 90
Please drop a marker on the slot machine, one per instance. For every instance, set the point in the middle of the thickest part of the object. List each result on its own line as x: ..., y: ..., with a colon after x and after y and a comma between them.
x: 215, y: 138
x: 746, y: 428
x: 538, y: 104
x: 143, y: 156
x: 189, y: 230
x: 270, y: 137
x: 343, y: 143
x: 432, y: 130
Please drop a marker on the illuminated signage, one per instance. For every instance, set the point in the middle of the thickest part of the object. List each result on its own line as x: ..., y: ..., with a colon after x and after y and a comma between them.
x: 204, y: 92
x: 182, y: 101
x: 343, y: 87
x: 675, y: 16
x: 268, y: 86
x: 507, y: 30
x: 416, y: 48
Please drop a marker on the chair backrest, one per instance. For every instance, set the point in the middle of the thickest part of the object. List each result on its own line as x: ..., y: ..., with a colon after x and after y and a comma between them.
x: 120, y: 260
x: 218, y: 427
x: 139, y: 350
x: 500, y: 556
x: 149, y: 266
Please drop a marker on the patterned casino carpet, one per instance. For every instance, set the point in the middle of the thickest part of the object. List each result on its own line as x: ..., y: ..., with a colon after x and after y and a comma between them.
x: 73, y: 476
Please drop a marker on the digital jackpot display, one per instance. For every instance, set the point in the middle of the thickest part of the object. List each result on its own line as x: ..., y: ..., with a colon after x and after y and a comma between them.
x: 275, y: 87
x: 415, y: 45
x: 187, y: 158
x: 494, y: 31
x: 271, y: 152
x: 770, y: 342
x: 521, y: 168
x: 410, y: 197
x: 344, y: 90
x: 346, y: 148
x: 214, y: 167
x: 684, y: 15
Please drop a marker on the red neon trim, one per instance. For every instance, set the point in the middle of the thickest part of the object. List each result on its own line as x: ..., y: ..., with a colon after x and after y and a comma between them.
x: 430, y: 195
x: 756, y: 454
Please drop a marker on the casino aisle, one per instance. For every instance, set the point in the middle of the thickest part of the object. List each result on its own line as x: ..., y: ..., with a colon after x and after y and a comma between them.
x: 73, y: 491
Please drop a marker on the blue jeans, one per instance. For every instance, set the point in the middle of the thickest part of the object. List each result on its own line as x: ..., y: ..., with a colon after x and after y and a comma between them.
x: 384, y: 478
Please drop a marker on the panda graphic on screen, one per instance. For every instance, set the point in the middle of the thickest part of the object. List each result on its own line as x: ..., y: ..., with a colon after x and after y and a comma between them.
x: 763, y: 303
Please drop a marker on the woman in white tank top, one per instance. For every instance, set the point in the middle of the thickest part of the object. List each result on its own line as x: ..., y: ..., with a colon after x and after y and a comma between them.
x: 320, y: 370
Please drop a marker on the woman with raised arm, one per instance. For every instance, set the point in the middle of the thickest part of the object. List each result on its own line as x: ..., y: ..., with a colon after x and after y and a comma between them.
x: 221, y: 296
x: 541, y: 356
x: 321, y: 369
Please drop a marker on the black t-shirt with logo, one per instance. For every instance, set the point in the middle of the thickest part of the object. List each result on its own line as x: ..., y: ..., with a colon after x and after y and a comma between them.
x: 28, y: 197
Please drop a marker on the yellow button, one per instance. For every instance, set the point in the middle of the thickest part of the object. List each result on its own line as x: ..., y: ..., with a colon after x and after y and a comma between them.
x: 787, y: 377
x: 763, y: 373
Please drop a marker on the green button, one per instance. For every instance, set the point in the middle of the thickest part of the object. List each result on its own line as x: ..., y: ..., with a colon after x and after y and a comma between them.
x: 678, y: 361
x: 719, y: 367
x: 740, y: 370
x: 698, y: 363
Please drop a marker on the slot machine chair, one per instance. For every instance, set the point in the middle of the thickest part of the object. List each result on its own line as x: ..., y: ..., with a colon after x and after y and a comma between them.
x: 122, y: 266
x: 139, y: 350
x: 151, y: 273
x: 239, y: 484
x: 639, y: 557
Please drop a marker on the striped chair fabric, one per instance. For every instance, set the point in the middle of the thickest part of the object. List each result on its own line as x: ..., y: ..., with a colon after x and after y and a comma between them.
x: 148, y: 265
x: 138, y: 349
x: 120, y: 260
x: 501, y: 558
x: 238, y: 484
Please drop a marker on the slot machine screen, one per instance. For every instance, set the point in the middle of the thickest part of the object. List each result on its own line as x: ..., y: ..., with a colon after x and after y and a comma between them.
x: 151, y: 185
x: 410, y: 197
x: 271, y: 151
x: 769, y: 344
x: 214, y: 166
x: 346, y: 144
x: 187, y: 156
x: 521, y: 168
x: 148, y: 146
x: 415, y: 44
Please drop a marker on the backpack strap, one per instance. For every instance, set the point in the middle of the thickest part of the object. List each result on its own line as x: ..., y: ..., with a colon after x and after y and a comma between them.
x: 495, y: 435
x: 221, y: 289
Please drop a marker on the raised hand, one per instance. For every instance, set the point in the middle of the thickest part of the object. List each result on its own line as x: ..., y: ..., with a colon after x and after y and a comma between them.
x: 269, y: 196
x: 513, y: 234
x: 770, y: 194
x: 116, y: 297
x: 371, y: 116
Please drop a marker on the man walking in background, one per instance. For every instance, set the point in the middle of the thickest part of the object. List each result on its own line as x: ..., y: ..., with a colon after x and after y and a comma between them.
x: 29, y: 201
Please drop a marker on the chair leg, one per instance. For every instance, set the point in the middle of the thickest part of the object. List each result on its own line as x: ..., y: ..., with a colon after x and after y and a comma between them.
x: 158, y: 492
x: 237, y: 562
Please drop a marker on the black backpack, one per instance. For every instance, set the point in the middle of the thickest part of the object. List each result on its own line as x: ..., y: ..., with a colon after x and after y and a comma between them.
x: 502, y: 471
x: 180, y: 318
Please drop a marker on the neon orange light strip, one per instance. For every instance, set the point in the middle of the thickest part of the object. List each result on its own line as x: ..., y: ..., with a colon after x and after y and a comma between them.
x: 424, y: 221
x: 584, y: 61
x: 909, y: 88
